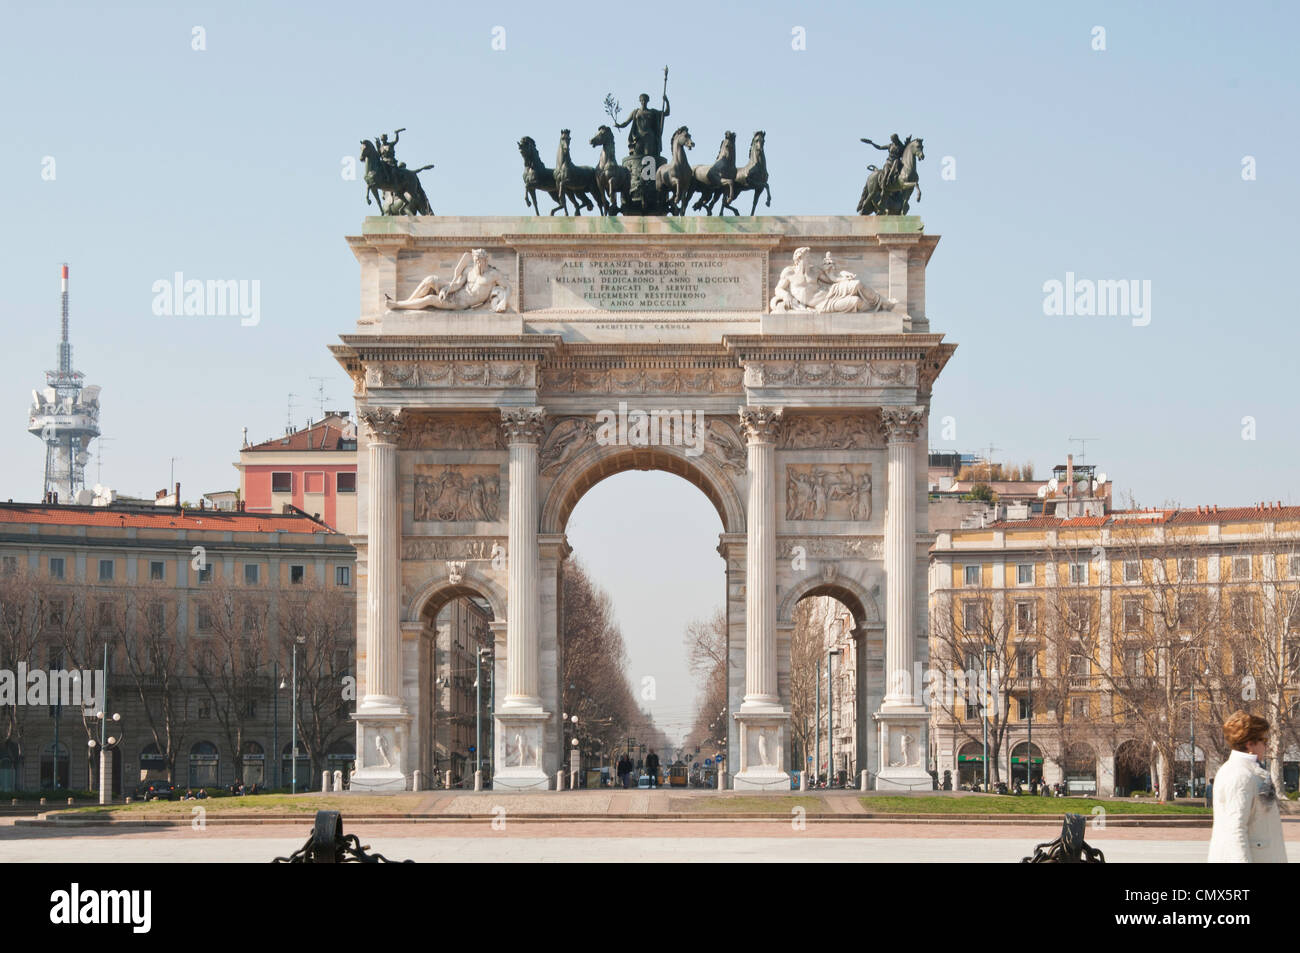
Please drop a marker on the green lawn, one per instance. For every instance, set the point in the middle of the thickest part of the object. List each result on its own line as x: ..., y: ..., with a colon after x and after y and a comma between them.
x: 1025, y: 804
x: 265, y: 804
x: 748, y: 804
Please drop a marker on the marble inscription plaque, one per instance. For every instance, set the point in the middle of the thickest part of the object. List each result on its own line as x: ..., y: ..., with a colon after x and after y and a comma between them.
x: 688, y: 281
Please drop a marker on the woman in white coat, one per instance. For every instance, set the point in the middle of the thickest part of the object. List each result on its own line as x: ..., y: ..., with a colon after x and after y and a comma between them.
x: 1247, y: 820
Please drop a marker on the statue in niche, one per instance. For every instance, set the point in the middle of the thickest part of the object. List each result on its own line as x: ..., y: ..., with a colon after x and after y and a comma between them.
x: 474, y: 282
x: 806, y: 286
x: 381, y: 746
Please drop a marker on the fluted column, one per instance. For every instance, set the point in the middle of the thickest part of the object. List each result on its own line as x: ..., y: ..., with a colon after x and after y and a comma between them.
x: 901, y: 426
x: 383, y: 536
x: 760, y: 425
x: 523, y: 429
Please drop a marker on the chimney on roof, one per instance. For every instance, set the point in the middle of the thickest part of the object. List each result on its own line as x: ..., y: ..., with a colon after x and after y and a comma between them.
x: 178, y: 495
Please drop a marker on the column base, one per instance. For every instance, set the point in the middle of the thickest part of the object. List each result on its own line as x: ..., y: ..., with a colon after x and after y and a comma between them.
x: 520, y: 751
x: 381, y: 750
x: 904, y: 732
x: 764, y: 737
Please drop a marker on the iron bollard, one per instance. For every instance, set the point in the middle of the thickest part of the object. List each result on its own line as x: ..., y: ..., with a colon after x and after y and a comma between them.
x: 1069, y: 848
x: 329, y: 845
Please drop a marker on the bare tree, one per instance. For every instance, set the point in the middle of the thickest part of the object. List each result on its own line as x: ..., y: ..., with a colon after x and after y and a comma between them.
x: 320, y: 621
x: 27, y: 609
x: 230, y: 659
x: 706, y: 654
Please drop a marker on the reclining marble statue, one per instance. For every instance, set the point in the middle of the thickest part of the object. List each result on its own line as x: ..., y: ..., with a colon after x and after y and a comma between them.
x: 474, y: 282
x: 804, y: 286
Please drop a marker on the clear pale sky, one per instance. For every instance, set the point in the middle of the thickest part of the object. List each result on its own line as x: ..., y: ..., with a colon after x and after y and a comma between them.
x: 1122, y: 163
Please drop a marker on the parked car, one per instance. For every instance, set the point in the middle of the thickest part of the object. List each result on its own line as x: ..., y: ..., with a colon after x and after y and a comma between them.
x: 158, y: 791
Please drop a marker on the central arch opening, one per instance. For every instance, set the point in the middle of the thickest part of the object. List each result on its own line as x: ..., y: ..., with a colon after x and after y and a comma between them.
x: 647, y: 542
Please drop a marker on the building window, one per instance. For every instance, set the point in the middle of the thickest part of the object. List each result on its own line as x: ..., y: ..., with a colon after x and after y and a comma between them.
x: 342, y: 575
x: 282, y: 482
x: 1025, y: 574
x: 1079, y: 707
x: 106, y: 570
x: 1187, y: 570
x: 251, y: 620
x: 157, y: 571
x: 1243, y: 611
x: 1132, y: 615
x: 1079, y: 665
x: 250, y: 574
x: 1024, y: 618
x: 1078, y: 615
x: 104, y: 614
x: 57, y: 567
x: 1240, y: 567
x: 346, y: 482
x: 205, y: 572
x: 1134, y: 663
x: 971, y: 576
x: 297, y: 574
x: 204, y: 765
x: 1026, y: 709
x: 56, y: 613
x: 1078, y: 574
x: 972, y: 616
x: 156, y: 618
x: 1132, y: 570
x: 205, y: 619
x: 10, y: 565
x: 1026, y: 656
x: 203, y: 709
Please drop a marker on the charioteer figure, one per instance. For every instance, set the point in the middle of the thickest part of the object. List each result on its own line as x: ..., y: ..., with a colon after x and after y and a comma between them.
x: 646, y: 136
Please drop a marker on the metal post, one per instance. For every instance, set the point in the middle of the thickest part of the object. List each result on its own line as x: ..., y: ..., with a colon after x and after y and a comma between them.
x: 58, y: 717
x: 275, y: 723
x: 830, y: 724
x: 293, y: 746
x: 104, y: 794
x: 817, y: 734
x: 1029, y: 755
x: 984, y: 715
x: 1191, y: 755
x: 478, y: 710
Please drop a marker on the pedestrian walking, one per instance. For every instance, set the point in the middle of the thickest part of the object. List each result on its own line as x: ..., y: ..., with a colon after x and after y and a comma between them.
x: 652, y: 768
x: 1247, y: 821
x: 1209, y: 793
x: 625, y: 771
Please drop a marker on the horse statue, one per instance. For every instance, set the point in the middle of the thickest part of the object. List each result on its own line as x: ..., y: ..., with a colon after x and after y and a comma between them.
x: 892, y: 198
x: 578, y: 181
x: 673, y: 179
x: 753, y: 177
x: 403, y: 184
x: 611, y: 178
x: 536, y: 175
x: 719, y: 179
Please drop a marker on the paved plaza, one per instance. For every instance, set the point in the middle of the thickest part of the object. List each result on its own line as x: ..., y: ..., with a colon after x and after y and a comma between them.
x: 604, y: 842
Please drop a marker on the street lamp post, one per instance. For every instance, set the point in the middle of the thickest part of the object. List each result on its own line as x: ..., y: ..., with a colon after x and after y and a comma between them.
x: 984, y: 716
x: 275, y: 718
x: 830, y: 721
x: 817, y: 732
x: 1029, y: 717
x: 293, y: 747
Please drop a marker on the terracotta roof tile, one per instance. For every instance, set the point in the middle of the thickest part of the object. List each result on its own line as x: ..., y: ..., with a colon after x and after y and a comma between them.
x: 166, y: 518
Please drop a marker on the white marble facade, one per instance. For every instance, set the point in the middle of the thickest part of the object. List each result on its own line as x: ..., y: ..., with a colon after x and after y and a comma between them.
x: 481, y: 430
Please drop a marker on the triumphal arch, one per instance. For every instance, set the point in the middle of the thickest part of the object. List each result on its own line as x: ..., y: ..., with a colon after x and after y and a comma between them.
x: 505, y: 365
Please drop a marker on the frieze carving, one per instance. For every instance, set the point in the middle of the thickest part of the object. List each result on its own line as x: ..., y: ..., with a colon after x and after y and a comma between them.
x: 833, y: 547
x: 829, y: 373
x: 567, y: 437
x: 760, y: 424
x: 408, y: 374
x: 829, y: 432
x: 834, y: 492
x: 385, y: 426
x: 452, y: 548
x: 453, y: 432
x: 456, y: 493
x: 723, y: 443
x: 644, y: 380
x: 475, y: 282
x: 902, y: 423
x: 523, y: 424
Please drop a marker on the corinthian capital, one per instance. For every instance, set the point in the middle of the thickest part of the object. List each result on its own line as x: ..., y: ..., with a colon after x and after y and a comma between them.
x: 385, y: 426
x: 900, y: 424
x: 760, y: 424
x: 523, y: 424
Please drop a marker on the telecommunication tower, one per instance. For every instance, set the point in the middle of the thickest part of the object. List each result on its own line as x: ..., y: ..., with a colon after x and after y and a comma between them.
x: 65, y: 415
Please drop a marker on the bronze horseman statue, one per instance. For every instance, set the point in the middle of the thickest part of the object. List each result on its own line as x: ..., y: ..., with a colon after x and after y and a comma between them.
x: 889, y: 187
x: 384, y: 174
